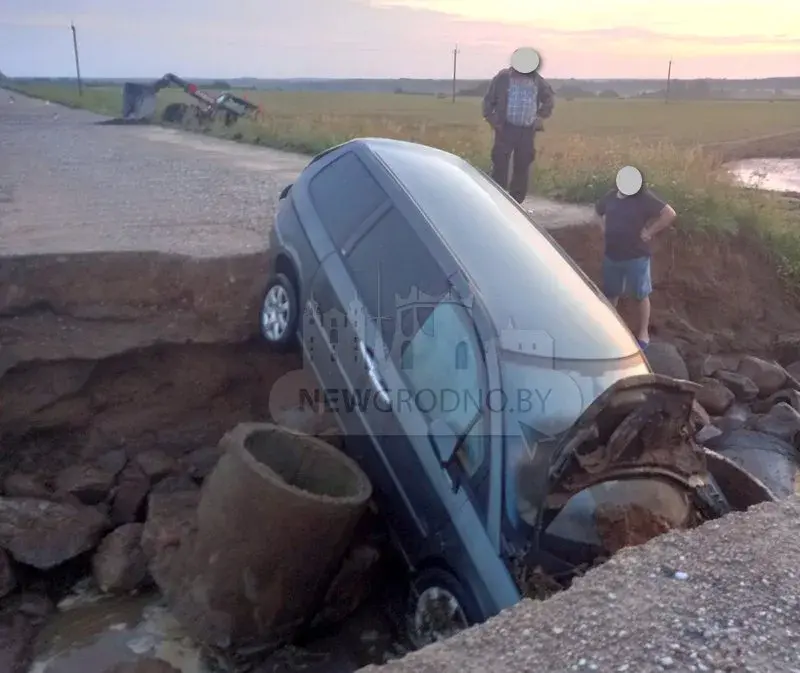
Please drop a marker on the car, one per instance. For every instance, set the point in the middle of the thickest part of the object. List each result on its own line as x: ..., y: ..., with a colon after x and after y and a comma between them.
x: 402, y: 272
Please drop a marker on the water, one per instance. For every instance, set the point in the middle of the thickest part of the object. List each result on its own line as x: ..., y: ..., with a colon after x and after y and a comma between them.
x: 778, y: 175
x: 92, y: 632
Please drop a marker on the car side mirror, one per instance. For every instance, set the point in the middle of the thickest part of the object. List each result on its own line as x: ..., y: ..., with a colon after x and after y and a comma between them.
x: 284, y: 192
x: 443, y: 440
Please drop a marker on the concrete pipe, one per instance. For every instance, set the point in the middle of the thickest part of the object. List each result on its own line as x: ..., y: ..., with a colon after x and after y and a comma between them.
x: 274, y: 520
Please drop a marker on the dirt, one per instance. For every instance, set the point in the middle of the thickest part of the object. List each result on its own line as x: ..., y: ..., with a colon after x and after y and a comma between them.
x: 711, y: 293
x: 628, y: 526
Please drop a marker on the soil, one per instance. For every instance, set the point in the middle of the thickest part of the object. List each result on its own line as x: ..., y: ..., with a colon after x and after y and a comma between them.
x: 711, y: 293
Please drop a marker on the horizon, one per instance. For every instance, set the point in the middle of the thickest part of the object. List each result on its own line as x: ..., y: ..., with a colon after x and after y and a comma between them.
x: 401, y: 39
x: 207, y: 78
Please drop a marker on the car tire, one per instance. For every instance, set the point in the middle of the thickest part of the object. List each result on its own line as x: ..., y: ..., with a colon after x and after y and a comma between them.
x: 438, y: 607
x: 278, y: 317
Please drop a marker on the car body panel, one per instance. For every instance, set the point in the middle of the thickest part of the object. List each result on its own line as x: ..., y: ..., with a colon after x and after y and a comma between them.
x: 495, y: 273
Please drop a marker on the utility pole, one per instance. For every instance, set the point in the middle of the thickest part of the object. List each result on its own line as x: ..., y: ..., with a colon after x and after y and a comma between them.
x: 455, y: 70
x: 77, y: 60
x: 669, y: 80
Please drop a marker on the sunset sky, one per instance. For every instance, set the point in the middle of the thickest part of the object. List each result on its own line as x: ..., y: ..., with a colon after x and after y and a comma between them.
x: 400, y: 38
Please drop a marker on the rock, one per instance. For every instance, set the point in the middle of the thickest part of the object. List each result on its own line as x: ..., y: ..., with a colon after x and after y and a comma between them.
x: 119, y: 565
x: 665, y: 359
x: 782, y: 421
x: 144, y: 666
x: 89, y: 484
x: 128, y: 505
x: 769, y: 377
x: 8, y: 581
x: 735, y: 417
x: 349, y: 587
x: 699, y: 416
x: 787, y: 347
x: 794, y: 369
x: 156, y: 464
x: 17, y: 634
x: 742, y: 387
x: 708, y: 365
x: 707, y: 434
x: 19, y: 485
x: 113, y: 461
x: 175, y: 484
x: 788, y: 396
x: 36, y: 606
x: 169, y: 517
x: 199, y: 463
x: 44, y: 534
x: 715, y: 397
x: 766, y: 457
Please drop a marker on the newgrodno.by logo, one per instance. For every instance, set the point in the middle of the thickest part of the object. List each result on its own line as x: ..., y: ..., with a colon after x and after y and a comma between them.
x: 425, y: 349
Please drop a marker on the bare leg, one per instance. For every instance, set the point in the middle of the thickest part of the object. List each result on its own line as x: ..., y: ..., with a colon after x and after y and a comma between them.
x: 643, y: 315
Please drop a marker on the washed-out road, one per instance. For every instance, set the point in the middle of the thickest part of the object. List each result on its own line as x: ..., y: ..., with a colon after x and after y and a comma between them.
x: 71, y: 184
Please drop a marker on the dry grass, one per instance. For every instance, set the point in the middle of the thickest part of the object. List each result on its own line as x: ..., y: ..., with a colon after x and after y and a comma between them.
x: 680, y: 147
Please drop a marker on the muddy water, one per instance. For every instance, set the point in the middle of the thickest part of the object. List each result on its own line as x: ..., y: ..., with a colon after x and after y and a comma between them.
x: 779, y: 175
x: 92, y: 633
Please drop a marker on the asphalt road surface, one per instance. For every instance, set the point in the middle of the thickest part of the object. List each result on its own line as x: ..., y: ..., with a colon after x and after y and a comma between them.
x: 69, y: 184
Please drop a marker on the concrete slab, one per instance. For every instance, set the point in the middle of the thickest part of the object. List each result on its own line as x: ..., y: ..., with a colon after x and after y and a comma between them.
x: 718, y: 598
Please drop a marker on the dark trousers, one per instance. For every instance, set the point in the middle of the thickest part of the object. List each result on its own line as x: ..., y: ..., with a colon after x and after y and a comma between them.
x: 517, y: 141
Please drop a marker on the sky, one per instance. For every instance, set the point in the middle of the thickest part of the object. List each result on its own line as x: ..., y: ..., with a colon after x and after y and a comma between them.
x: 400, y: 38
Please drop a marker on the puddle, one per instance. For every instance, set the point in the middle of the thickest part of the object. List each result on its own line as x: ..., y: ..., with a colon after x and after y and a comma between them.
x: 91, y: 633
x: 779, y: 175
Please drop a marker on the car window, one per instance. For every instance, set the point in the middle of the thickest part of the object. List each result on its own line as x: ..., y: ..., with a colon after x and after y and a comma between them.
x: 444, y: 370
x: 344, y: 194
x: 392, y: 269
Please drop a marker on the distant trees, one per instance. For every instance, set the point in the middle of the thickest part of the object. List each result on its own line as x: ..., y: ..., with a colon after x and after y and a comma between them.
x: 220, y: 85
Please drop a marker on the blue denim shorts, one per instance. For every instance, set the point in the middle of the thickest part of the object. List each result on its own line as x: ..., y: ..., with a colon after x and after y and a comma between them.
x: 629, y: 277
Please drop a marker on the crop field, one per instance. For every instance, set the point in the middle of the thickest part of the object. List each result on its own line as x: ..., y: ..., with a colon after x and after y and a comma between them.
x: 680, y: 147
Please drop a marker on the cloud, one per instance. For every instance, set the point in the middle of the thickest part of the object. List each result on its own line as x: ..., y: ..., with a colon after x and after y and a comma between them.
x: 361, y: 38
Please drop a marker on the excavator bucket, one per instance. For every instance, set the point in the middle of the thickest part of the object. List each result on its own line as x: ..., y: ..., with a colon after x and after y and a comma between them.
x: 138, y: 102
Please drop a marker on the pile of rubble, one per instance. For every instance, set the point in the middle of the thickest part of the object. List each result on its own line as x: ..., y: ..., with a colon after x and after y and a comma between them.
x: 753, y: 408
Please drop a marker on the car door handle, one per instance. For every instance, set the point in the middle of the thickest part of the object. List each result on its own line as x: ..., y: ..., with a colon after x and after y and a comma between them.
x: 374, y: 374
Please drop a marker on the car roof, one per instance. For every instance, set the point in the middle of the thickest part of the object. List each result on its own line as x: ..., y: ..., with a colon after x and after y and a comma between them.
x: 525, y: 283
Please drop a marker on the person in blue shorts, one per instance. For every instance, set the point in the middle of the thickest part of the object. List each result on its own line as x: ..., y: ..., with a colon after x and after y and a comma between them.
x: 630, y: 221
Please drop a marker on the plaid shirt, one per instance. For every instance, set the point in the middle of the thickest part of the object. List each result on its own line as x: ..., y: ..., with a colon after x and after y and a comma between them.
x: 522, y: 101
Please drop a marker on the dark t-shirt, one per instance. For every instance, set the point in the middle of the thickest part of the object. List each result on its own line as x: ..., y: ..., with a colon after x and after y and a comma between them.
x: 625, y: 219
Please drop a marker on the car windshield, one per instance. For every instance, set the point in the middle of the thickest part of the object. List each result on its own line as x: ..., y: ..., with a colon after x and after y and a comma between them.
x: 526, y: 284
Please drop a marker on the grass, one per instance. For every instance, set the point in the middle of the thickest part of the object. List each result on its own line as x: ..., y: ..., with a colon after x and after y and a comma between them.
x: 679, y: 147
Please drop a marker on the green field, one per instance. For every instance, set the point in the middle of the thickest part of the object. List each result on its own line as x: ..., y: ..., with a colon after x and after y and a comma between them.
x: 680, y: 147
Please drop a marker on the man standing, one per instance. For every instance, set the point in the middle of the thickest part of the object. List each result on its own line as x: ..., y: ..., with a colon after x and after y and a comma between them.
x: 631, y: 215
x: 514, y: 106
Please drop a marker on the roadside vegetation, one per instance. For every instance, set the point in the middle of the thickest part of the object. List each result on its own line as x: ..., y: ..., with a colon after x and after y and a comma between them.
x: 680, y: 147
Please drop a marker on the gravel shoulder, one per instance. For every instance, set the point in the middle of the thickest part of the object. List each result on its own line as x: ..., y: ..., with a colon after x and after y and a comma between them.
x: 737, y: 609
x: 69, y: 184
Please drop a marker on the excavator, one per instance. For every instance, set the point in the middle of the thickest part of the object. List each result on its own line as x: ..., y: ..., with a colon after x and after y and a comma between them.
x: 139, y: 103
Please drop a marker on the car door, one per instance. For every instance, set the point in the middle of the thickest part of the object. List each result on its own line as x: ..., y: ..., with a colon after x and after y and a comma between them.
x: 392, y: 267
x: 343, y: 198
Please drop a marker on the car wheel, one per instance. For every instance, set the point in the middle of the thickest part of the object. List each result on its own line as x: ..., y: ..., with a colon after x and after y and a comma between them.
x: 438, y: 608
x: 279, y: 314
